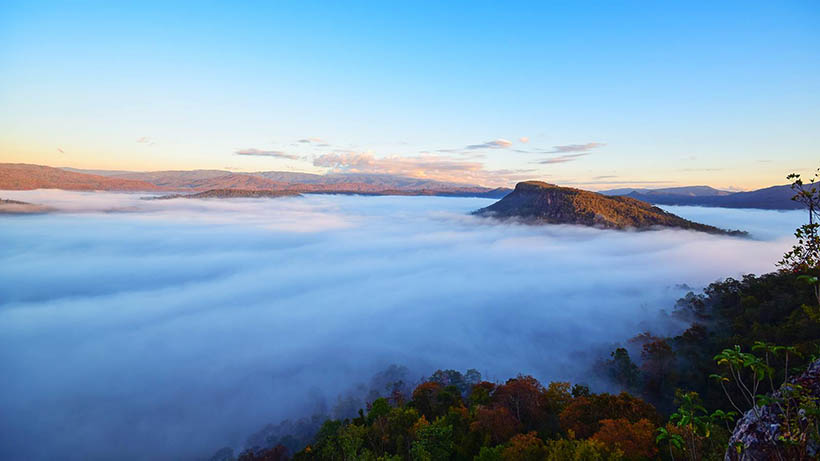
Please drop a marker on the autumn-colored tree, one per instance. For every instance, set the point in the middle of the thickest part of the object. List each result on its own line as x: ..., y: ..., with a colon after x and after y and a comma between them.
x: 524, y: 397
x: 584, y: 414
x: 495, y: 425
x: 524, y: 447
x: 586, y: 450
x: 425, y: 397
x: 636, y: 440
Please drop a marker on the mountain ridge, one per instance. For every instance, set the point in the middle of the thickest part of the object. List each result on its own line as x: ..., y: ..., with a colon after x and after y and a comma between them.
x: 27, y: 177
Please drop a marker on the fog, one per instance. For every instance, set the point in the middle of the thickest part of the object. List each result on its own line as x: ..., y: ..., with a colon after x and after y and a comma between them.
x: 166, y: 329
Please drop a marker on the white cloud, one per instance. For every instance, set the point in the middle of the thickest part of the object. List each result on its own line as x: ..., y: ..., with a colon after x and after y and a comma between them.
x: 422, y: 166
x: 181, y: 326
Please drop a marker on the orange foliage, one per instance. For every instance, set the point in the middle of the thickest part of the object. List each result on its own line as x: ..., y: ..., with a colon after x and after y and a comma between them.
x: 636, y: 440
x: 524, y: 447
x: 584, y: 414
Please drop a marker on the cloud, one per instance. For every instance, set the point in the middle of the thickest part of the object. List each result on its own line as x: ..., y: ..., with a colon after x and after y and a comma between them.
x: 144, y: 140
x: 183, y: 326
x: 60, y: 150
x: 562, y: 159
x: 312, y: 141
x: 524, y: 139
x: 422, y: 166
x: 267, y: 153
x: 576, y: 147
x: 494, y: 144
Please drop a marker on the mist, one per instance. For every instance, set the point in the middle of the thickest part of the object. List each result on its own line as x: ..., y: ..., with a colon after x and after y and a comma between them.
x: 166, y: 329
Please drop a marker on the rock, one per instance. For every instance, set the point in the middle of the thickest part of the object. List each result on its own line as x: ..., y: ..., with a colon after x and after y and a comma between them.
x: 754, y: 433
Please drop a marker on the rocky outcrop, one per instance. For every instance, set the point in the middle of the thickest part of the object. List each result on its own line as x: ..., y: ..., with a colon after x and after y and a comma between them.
x: 754, y: 436
x: 539, y: 202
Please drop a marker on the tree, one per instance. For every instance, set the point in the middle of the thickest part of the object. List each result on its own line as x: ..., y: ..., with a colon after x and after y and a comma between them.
x: 635, y: 440
x: 524, y: 447
x: 804, y: 257
x: 622, y: 370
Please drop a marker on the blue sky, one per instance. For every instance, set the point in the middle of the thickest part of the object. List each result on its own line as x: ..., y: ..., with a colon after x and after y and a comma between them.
x: 603, y: 93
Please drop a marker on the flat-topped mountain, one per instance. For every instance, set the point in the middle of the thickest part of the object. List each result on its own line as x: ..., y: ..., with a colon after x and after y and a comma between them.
x: 540, y: 202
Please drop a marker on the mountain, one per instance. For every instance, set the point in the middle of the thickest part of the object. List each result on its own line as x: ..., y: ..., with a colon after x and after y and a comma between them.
x: 540, y: 202
x: 231, y: 193
x: 688, y: 191
x: 203, y: 180
x: 21, y: 176
x: 770, y: 198
x: 339, y: 183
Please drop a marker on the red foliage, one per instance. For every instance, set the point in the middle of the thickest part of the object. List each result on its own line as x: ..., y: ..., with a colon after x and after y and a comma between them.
x: 636, y: 440
x: 524, y: 398
x: 496, y: 424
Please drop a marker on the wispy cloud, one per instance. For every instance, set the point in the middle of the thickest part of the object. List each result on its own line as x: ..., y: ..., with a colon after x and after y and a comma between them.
x: 422, y: 166
x: 146, y: 140
x: 494, y: 144
x: 267, y: 153
x: 576, y: 147
x: 312, y: 141
x: 524, y: 139
x: 562, y: 158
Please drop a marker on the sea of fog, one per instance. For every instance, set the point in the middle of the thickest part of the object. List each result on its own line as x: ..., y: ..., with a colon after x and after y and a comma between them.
x: 166, y: 329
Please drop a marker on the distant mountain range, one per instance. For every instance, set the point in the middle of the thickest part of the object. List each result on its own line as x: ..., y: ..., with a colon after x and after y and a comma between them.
x: 27, y: 177
x: 19, y: 176
x: 540, y: 202
x: 770, y: 198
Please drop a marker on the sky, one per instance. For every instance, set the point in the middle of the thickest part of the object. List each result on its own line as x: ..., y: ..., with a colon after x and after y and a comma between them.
x: 593, y: 94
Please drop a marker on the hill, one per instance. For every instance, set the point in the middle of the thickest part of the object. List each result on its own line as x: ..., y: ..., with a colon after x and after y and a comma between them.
x: 540, y: 202
x: 347, y: 183
x: 337, y: 183
x: 231, y: 193
x: 770, y: 198
x: 21, y: 176
x: 687, y: 191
